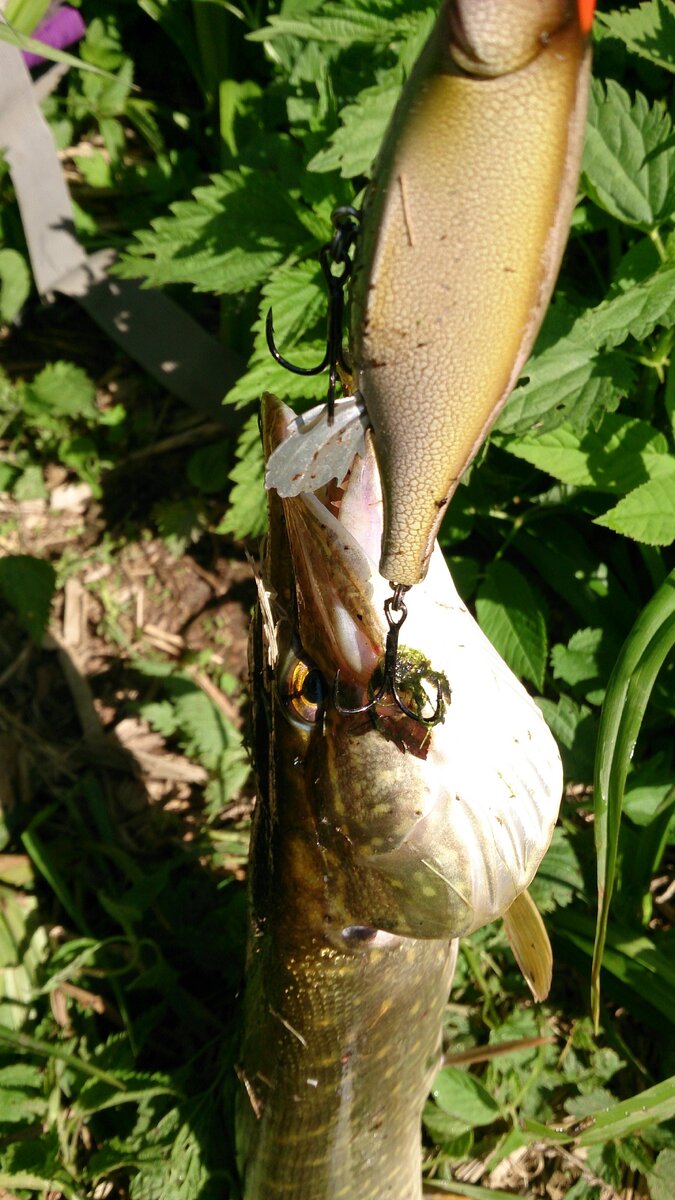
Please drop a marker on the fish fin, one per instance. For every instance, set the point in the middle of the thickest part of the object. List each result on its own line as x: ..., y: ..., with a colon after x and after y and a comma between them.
x: 314, y: 451
x: 530, y: 944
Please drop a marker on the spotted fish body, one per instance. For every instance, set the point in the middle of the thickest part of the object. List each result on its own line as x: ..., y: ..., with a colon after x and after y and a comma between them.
x: 372, y: 850
x: 463, y: 231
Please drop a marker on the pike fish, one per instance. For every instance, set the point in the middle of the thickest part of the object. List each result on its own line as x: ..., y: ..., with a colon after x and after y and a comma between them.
x: 376, y: 844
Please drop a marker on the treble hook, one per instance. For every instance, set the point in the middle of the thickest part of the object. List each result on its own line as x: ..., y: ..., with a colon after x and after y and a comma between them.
x: 335, y: 253
x: 395, y: 611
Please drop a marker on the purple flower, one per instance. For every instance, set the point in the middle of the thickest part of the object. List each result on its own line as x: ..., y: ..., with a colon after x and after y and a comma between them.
x: 60, y: 28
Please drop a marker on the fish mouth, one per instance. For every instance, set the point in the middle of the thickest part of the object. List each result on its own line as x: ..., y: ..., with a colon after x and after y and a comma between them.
x: 333, y: 539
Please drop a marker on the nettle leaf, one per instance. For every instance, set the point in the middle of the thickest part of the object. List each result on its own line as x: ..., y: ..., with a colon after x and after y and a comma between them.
x: 512, y: 615
x: 567, y: 383
x: 646, y: 514
x: 296, y: 295
x: 355, y: 143
x: 635, y: 312
x: 247, y: 512
x: 629, y: 160
x: 566, y: 379
x: 339, y: 24
x: 226, y: 239
x: 28, y: 584
x: 60, y: 390
x: 623, y: 453
x: 648, y: 29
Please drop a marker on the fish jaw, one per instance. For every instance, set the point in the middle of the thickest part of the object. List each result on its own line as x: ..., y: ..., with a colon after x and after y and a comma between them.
x: 339, y: 595
x: 429, y: 844
x: 461, y: 239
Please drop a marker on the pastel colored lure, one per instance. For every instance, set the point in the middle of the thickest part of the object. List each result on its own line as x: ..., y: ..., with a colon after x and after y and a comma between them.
x: 376, y: 844
x: 463, y: 230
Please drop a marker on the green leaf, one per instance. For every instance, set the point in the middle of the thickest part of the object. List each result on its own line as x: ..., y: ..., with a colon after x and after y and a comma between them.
x: 15, y: 282
x: 60, y: 390
x: 96, y: 1094
x: 577, y: 662
x: 354, y: 145
x: 650, y: 790
x: 661, y: 1179
x: 566, y: 380
x: 646, y: 514
x: 648, y: 30
x: 628, y: 692
x: 559, y: 879
x: 207, y: 468
x: 180, y: 523
x: 621, y: 454
x: 573, y: 727
x: 28, y: 585
x: 22, y: 1042
x: 227, y: 239
x: 634, y: 311
x: 462, y: 1096
x: 102, y: 44
x: 296, y: 296
x: 16, y: 1106
x: 629, y: 162
x: 332, y: 24
x: 247, y: 512
x: 511, y: 614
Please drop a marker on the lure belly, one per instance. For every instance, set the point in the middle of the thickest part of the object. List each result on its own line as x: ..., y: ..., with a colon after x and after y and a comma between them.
x: 463, y: 230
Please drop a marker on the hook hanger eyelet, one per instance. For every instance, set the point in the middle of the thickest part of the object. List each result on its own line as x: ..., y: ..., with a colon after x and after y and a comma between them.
x: 395, y: 611
x: 335, y: 253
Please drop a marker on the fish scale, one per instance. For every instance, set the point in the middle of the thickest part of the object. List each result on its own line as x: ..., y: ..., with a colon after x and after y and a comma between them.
x: 336, y: 1038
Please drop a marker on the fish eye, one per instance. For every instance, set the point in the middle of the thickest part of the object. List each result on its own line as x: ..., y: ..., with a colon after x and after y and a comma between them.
x: 302, y: 690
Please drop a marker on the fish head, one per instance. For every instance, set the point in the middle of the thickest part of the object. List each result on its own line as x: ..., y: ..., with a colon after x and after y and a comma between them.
x: 421, y: 831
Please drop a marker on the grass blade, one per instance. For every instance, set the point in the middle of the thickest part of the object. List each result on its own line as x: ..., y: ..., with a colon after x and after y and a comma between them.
x: 651, y: 1107
x: 628, y: 692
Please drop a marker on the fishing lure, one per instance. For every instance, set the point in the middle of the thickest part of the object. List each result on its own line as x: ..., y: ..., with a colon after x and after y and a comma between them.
x: 462, y: 233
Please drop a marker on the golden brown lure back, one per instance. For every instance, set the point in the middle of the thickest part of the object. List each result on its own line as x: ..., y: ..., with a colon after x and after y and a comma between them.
x: 463, y: 231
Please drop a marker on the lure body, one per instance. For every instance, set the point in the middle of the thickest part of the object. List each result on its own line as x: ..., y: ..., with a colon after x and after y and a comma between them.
x: 376, y: 843
x: 464, y: 227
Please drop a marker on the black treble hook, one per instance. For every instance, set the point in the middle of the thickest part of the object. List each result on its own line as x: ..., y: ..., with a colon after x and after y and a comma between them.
x: 335, y: 253
x: 396, y: 612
